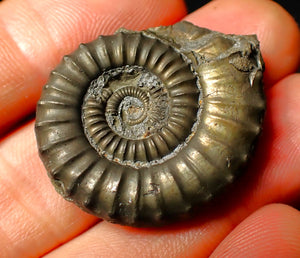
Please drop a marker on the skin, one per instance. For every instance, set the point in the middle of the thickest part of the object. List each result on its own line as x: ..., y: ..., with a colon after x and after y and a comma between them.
x: 257, y: 217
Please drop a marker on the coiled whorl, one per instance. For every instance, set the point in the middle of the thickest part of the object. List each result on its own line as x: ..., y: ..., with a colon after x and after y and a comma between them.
x: 140, y: 127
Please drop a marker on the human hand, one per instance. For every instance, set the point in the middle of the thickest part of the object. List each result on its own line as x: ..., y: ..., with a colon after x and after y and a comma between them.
x: 35, y: 220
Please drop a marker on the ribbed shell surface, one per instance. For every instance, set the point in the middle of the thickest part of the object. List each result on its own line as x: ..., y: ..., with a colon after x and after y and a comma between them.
x: 140, y: 127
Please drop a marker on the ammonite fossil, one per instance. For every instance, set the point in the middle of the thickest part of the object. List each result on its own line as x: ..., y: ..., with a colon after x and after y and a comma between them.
x: 139, y: 128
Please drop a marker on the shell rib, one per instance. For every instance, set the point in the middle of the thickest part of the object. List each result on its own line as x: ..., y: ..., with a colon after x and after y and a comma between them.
x: 138, y: 128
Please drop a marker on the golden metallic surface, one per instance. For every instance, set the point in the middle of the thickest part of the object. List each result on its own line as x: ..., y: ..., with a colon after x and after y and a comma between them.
x: 140, y: 128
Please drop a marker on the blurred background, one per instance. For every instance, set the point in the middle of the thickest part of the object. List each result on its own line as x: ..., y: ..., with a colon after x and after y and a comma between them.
x: 292, y: 6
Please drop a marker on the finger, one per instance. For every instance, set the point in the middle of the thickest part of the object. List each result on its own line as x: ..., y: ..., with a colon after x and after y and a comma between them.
x: 272, y: 231
x: 277, y: 32
x: 36, y: 34
x: 32, y: 213
x: 273, y: 176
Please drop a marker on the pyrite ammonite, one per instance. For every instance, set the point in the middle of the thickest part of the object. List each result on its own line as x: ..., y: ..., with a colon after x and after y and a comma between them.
x: 138, y: 128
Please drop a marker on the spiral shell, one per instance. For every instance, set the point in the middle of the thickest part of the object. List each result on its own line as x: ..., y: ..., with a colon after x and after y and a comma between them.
x: 140, y: 127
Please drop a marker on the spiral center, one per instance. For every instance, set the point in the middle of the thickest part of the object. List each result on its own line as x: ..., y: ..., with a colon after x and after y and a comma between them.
x: 131, y: 109
x: 132, y: 117
x: 130, y: 100
x: 126, y: 112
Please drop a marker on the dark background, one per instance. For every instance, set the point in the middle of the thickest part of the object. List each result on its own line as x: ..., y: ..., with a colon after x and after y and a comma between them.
x: 292, y: 6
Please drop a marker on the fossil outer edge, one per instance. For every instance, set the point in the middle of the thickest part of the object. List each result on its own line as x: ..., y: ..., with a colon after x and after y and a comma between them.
x: 138, y: 128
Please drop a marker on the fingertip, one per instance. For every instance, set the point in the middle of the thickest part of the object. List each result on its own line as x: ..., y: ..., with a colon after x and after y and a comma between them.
x: 271, y: 231
x: 137, y: 15
x: 283, y: 119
